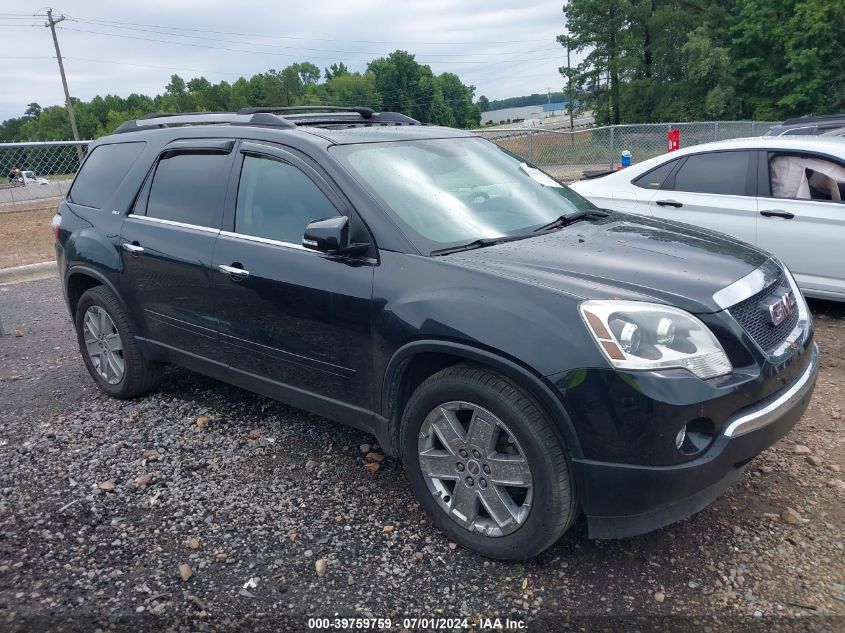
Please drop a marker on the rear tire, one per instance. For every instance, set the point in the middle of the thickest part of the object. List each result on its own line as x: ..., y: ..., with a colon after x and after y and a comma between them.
x: 107, y: 343
x: 519, y: 482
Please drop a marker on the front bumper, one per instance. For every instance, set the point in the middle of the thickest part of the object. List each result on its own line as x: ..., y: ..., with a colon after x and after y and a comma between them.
x: 622, y: 500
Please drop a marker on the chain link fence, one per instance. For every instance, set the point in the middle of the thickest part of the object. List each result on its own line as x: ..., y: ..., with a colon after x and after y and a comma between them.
x: 43, y: 171
x: 566, y: 155
x: 37, y: 175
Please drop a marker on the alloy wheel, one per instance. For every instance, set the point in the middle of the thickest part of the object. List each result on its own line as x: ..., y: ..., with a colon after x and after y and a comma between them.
x: 103, y: 344
x: 475, y: 468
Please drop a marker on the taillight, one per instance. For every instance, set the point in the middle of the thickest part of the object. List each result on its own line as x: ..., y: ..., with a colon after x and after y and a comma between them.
x: 55, y: 223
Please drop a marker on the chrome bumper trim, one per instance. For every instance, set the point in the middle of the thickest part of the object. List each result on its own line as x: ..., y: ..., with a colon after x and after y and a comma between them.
x: 767, y: 414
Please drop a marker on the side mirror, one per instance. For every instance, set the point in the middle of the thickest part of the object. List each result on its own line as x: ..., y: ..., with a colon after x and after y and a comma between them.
x: 331, y: 236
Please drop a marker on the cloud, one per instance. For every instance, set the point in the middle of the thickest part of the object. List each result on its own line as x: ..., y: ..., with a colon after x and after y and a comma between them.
x: 501, y: 49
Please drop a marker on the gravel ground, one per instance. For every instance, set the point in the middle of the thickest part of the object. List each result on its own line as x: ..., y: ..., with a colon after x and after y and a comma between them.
x: 203, y: 507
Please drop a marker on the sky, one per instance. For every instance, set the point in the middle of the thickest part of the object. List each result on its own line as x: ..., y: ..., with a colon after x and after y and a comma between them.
x: 501, y: 47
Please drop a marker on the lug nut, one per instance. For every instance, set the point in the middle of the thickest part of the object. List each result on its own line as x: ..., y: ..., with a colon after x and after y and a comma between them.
x: 470, y: 481
x: 463, y: 453
x: 482, y: 482
x: 486, y: 469
x: 476, y: 454
x: 460, y: 467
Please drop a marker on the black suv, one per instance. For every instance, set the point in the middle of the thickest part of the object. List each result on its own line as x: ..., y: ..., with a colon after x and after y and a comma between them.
x: 812, y: 125
x: 527, y: 355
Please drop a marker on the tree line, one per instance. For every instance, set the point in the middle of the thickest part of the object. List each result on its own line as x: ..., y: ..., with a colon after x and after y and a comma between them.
x: 396, y: 82
x: 683, y: 60
x: 525, y: 100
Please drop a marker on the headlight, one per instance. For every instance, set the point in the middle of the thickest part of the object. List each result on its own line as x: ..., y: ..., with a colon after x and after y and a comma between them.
x: 638, y: 335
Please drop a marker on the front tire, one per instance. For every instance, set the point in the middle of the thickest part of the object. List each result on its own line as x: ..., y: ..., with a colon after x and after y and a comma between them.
x: 107, y: 342
x: 486, y: 464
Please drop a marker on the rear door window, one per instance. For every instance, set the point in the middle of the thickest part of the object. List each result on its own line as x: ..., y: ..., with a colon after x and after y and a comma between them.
x: 724, y: 173
x: 103, y: 171
x: 806, y: 178
x: 654, y: 178
x: 189, y: 188
x: 277, y: 201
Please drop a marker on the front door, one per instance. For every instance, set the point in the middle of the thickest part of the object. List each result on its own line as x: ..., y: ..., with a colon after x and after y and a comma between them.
x: 294, y: 319
x: 167, y: 244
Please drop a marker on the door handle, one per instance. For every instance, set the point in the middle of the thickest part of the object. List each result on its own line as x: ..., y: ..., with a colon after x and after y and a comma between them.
x: 777, y: 213
x: 237, y: 274
x: 669, y: 203
x: 134, y: 249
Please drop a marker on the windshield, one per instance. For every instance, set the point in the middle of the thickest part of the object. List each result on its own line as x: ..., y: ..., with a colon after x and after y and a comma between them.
x: 448, y: 192
x: 29, y: 174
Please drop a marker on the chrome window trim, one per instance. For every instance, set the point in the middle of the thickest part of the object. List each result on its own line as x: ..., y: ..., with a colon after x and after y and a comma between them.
x: 769, y: 413
x: 264, y: 240
x: 184, y: 225
x: 748, y: 286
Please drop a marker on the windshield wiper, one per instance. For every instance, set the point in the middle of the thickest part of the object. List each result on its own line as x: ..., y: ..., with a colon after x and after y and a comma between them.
x: 566, y: 220
x: 479, y: 243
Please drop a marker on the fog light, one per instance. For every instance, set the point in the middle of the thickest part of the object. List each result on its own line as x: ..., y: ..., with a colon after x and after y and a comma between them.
x: 696, y: 436
x: 679, y: 439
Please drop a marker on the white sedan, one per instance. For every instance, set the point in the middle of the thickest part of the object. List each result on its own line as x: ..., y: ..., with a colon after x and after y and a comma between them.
x: 784, y: 194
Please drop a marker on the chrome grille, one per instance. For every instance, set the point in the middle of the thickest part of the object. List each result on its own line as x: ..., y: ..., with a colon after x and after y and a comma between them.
x: 752, y: 318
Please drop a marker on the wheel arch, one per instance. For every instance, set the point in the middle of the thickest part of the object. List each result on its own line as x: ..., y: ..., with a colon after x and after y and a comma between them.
x: 412, y: 363
x: 79, y: 279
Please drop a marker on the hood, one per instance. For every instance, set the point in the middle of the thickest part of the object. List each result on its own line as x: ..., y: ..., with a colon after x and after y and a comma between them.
x: 624, y: 257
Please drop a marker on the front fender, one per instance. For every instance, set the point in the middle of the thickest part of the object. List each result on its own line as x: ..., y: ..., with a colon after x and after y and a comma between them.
x: 524, y: 377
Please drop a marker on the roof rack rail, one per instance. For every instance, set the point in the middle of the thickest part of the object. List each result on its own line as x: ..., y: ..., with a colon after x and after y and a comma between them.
x: 364, y: 111
x: 156, y: 115
x: 166, y: 119
x: 273, y: 116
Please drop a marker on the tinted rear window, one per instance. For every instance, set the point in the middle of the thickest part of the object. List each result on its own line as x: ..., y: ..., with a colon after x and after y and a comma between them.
x: 189, y: 188
x: 717, y: 172
x: 654, y: 178
x: 102, y: 173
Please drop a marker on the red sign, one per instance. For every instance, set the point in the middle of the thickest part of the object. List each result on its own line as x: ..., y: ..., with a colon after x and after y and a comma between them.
x: 673, y: 139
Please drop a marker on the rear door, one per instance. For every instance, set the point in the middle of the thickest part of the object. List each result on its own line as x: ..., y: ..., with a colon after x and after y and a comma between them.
x: 167, y: 244
x: 714, y: 190
x: 293, y: 322
x: 801, y: 220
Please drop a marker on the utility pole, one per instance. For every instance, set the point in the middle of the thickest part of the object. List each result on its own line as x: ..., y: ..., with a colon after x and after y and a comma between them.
x: 569, y: 89
x: 52, y: 22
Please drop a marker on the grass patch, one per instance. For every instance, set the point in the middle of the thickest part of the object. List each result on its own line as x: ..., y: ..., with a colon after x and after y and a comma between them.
x: 26, y: 238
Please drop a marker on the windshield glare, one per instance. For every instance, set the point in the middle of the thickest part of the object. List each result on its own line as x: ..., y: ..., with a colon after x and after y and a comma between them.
x: 448, y: 192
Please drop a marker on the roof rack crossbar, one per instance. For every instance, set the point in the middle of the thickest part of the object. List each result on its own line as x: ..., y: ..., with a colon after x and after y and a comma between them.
x: 350, y: 118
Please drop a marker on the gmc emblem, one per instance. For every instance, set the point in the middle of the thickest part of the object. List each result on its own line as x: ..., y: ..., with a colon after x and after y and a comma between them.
x: 778, y: 308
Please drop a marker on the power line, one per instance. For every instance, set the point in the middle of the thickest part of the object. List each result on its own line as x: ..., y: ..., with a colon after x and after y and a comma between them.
x: 293, y: 37
x: 294, y: 48
x: 260, y: 52
x: 152, y: 66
